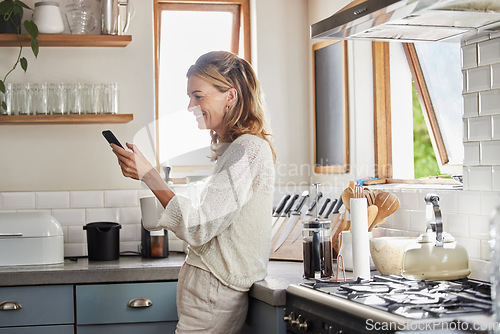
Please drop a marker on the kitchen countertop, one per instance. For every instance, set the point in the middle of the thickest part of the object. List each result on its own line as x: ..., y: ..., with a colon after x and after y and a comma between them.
x: 271, y: 290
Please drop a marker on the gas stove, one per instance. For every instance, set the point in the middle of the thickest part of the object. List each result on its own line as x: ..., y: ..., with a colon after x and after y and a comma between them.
x: 389, y: 304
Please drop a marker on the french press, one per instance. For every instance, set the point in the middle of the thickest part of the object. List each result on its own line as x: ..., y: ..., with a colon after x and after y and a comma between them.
x: 317, y: 247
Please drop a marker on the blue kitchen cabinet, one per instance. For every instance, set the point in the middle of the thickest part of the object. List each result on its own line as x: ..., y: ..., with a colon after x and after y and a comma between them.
x: 263, y: 318
x: 126, y: 308
x: 39, y: 309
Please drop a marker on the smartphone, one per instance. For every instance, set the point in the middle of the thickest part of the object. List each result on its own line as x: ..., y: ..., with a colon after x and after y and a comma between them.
x: 110, y: 137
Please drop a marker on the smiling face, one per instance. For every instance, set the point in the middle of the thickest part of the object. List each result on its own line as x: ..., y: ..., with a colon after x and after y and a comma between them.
x: 212, y: 104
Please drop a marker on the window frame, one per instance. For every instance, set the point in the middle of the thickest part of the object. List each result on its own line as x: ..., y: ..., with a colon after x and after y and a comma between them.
x: 241, y: 22
x: 382, y: 111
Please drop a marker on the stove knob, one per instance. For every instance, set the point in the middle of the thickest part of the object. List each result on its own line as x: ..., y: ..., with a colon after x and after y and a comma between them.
x: 303, y: 324
x: 296, y: 321
x: 289, y: 318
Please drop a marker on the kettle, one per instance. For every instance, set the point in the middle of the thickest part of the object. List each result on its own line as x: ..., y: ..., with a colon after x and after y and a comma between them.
x: 436, y: 255
x: 317, y: 249
x: 154, y: 244
x: 116, y: 15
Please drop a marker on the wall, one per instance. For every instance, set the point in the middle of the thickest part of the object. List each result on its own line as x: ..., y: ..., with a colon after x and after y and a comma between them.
x: 76, y: 157
x: 69, y: 171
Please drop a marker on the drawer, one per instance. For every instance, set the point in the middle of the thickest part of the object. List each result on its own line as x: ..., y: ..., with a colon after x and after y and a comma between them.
x: 41, y: 305
x: 62, y: 329
x: 109, y: 303
x: 144, y: 328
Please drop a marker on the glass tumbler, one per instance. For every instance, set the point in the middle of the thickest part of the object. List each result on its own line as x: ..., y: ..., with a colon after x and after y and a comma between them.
x: 71, y: 101
x: 55, y: 98
x: 37, y: 99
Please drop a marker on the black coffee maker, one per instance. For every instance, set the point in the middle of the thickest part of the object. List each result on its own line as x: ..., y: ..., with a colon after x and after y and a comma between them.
x: 154, y: 244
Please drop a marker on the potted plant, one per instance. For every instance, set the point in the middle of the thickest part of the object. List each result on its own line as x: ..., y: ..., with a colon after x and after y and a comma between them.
x: 11, y: 20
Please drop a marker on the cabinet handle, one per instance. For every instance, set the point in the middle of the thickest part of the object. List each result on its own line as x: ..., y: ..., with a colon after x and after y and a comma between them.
x: 10, y: 305
x: 140, y: 303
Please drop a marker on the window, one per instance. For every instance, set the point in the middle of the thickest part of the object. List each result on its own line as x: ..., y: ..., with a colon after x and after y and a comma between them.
x: 436, y: 73
x: 184, y: 31
x: 437, y: 79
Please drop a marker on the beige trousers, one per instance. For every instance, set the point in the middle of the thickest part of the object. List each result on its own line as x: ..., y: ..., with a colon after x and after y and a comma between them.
x: 205, y: 305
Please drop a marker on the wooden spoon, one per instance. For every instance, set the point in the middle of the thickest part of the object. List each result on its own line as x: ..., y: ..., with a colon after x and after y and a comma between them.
x: 372, y: 213
x: 387, y: 204
x: 347, y: 194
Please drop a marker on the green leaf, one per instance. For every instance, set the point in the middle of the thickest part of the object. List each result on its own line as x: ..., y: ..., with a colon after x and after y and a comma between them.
x: 31, y: 28
x: 4, y: 105
x: 24, y: 63
x: 2, y: 87
x: 34, y: 46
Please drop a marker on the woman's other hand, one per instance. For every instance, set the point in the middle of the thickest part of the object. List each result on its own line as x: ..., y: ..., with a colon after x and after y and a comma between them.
x: 133, y: 163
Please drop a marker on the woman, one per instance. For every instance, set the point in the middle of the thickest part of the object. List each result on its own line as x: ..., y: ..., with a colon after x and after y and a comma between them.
x: 228, y: 231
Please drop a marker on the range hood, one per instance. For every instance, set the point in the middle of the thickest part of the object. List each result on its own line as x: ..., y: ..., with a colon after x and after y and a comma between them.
x: 409, y: 20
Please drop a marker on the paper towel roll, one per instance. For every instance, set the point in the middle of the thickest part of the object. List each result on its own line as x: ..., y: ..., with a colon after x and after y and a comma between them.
x: 360, y: 239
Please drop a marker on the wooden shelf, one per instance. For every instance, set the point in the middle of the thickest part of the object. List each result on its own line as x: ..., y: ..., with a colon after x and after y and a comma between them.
x: 65, y: 119
x: 68, y: 40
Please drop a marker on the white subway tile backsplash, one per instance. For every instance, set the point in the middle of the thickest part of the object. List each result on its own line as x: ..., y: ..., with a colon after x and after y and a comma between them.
x: 485, y: 250
x: 469, y: 202
x: 478, y: 79
x: 52, y: 200
x: 130, y: 215
x: 408, y: 199
x: 489, y: 201
x: 102, y: 215
x: 489, y: 102
x: 471, y: 104
x: 479, y: 227
x: 76, y: 234
x: 86, y: 199
x: 469, y: 56
x: 490, y: 152
x: 479, y: 128
x: 75, y: 250
x: 69, y: 216
x: 480, y: 178
x: 121, y: 198
x: 448, y: 201
x: 489, y: 52
x: 495, y: 126
x: 457, y: 225
x: 471, y: 153
x: 495, y: 76
x: 418, y: 222
x: 473, y: 247
x: 496, y: 178
x: 128, y: 232
x: 17, y: 200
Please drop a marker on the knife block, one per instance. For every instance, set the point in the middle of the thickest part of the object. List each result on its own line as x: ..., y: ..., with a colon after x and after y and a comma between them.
x: 292, y: 251
x: 289, y: 251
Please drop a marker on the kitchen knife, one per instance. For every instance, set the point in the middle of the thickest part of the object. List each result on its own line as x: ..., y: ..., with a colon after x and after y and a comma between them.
x: 339, y: 205
x: 330, y: 209
x: 284, y: 215
x: 280, y: 207
x: 296, y: 214
x: 309, y: 213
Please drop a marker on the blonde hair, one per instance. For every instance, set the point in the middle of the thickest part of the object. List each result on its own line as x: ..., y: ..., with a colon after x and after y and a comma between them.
x: 225, y: 70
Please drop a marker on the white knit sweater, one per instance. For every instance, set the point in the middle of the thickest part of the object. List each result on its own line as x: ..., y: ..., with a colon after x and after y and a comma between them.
x: 230, y: 227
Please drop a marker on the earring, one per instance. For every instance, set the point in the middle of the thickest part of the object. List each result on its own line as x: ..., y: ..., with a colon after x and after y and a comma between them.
x: 227, y: 108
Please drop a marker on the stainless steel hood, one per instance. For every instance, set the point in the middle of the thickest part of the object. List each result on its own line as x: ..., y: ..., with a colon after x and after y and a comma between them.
x: 409, y: 20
